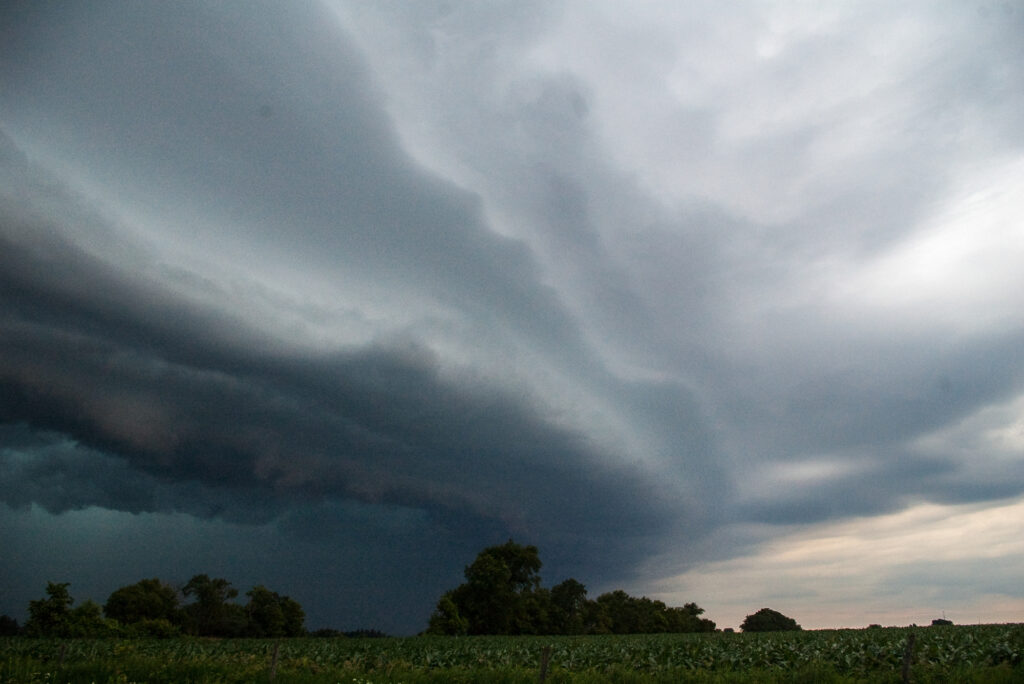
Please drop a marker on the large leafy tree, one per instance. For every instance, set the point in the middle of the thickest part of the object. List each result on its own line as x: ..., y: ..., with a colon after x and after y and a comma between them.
x: 768, y: 620
x: 568, y: 607
x: 87, y: 621
x: 631, y: 615
x: 212, y: 613
x: 687, y: 619
x: 272, y: 615
x: 148, y: 599
x: 500, y: 595
x: 616, y: 612
x: 446, y: 618
x: 50, y: 616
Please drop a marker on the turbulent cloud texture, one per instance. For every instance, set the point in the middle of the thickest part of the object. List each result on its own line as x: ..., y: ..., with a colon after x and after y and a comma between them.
x: 329, y: 296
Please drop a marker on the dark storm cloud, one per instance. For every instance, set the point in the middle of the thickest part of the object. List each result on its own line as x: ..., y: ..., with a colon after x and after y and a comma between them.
x: 151, y: 400
x: 117, y: 395
x: 60, y: 475
x: 650, y: 280
x: 378, y: 423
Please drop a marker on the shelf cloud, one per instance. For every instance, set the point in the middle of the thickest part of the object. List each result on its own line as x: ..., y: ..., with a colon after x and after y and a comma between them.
x: 329, y: 296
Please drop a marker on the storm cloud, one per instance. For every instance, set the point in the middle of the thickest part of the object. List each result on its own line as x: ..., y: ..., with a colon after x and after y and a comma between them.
x: 335, y: 294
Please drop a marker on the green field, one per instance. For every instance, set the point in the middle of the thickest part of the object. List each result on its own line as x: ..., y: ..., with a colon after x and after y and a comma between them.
x: 984, y: 653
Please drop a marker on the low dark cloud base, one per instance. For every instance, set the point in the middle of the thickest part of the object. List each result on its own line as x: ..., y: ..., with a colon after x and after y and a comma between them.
x: 115, y: 394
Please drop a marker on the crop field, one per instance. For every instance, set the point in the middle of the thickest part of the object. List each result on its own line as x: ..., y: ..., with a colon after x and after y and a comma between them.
x: 984, y: 653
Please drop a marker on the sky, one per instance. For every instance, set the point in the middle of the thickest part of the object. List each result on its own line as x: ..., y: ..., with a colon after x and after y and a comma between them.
x: 711, y: 302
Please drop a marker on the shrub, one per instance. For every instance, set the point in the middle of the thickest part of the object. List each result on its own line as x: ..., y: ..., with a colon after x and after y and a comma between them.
x: 159, y: 628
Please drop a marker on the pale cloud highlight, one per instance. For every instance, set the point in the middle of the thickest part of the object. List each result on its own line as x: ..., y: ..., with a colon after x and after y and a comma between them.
x: 862, y: 571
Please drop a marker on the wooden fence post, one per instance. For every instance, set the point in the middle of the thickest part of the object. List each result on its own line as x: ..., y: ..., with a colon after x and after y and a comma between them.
x: 273, y: 661
x: 545, y: 658
x: 908, y: 657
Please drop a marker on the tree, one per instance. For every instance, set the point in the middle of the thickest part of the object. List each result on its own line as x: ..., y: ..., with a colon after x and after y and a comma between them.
x: 568, y: 604
x: 534, y: 614
x: 501, y: 594
x: 86, y: 620
x: 596, y: 619
x: 498, y: 582
x: 266, y: 619
x: 687, y: 619
x: 768, y: 620
x: 621, y: 611
x: 211, y: 614
x: 487, y: 599
x: 617, y: 612
x: 294, y: 617
x: 53, y: 616
x: 631, y: 615
x: 523, y: 563
x: 446, y: 618
x: 271, y: 615
x: 148, y: 599
x: 50, y: 616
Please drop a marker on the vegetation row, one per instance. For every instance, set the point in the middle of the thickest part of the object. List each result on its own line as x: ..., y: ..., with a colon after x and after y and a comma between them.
x: 988, y: 653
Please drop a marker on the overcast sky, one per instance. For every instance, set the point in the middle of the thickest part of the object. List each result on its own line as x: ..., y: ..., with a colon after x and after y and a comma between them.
x: 712, y: 302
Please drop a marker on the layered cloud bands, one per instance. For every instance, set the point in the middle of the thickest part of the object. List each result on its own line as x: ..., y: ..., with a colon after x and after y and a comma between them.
x: 398, y: 282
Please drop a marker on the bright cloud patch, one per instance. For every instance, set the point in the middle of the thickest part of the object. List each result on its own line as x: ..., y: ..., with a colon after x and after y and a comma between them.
x: 896, y: 569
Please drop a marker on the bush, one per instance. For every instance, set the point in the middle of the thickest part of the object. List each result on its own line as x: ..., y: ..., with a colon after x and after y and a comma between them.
x: 158, y: 628
x: 326, y: 633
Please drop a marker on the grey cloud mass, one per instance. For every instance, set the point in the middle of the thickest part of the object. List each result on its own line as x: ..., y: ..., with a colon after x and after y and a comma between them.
x: 335, y: 294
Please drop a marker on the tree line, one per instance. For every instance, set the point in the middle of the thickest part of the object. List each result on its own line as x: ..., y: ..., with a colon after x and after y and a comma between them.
x: 502, y: 594
x: 203, y: 607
